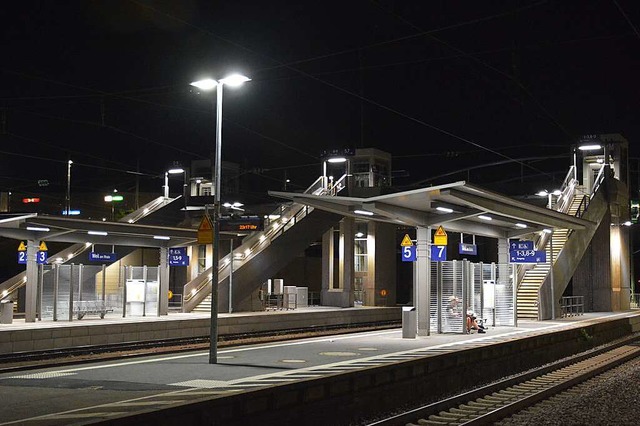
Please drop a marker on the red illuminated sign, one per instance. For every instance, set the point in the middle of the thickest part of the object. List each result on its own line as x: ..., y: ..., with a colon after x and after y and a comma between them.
x: 30, y: 200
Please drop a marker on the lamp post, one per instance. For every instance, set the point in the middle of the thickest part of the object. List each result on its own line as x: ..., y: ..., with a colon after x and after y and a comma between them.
x: 209, y: 84
x: 172, y: 171
x: 68, y: 197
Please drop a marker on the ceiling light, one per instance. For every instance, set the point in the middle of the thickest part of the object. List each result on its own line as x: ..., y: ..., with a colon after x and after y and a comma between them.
x: 557, y: 192
x: 483, y: 217
x: 97, y: 233
x: 37, y: 228
x: 175, y: 171
x: 547, y: 231
x: 592, y: 147
x: 359, y: 235
x: 627, y: 223
x: 542, y: 193
x: 444, y: 209
x: 161, y: 237
x: 521, y: 225
x: 363, y: 212
x: 336, y: 160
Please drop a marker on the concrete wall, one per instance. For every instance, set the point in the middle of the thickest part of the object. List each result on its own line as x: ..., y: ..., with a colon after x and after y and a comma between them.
x: 75, y: 334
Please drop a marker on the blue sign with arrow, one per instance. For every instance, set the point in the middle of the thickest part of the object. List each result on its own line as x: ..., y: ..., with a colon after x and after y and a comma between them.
x: 521, y: 245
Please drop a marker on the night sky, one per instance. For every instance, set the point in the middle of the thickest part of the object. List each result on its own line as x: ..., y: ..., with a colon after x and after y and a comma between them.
x: 442, y: 85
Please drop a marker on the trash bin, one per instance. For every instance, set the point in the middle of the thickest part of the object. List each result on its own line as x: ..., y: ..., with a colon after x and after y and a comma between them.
x: 409, y: 322
x: 6, y: 312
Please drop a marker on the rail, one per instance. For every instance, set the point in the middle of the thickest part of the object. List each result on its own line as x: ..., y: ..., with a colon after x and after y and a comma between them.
x: 571, y: 306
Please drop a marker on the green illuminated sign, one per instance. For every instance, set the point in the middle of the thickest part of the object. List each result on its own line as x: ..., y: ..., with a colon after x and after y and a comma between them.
x: 112, y: 198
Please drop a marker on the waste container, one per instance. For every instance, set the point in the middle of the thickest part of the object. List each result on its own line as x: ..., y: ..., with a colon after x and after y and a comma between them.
x: 409, y: 322
x: 6, y: 312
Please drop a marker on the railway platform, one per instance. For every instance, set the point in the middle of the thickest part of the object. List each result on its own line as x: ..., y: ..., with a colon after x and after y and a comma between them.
x: 315, y: 379
x: 21, y: 336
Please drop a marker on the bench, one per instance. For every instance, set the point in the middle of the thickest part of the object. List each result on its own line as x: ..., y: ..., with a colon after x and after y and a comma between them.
x: 90, y: 307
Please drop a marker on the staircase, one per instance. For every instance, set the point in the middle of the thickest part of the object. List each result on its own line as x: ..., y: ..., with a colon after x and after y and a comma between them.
x: 204, y: 306
x: 264, y: 253
x: 527, y: 296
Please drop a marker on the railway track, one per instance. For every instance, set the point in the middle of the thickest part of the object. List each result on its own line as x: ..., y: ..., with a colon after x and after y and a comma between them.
x: 497, y: 401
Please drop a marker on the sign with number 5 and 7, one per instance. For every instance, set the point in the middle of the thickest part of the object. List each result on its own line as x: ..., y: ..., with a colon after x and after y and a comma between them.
x: 439, y: 253
x: 409, y: 254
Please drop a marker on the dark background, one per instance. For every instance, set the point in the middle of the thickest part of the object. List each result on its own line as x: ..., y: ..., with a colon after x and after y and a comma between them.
x: 441, y: 85
x: 448, y: 87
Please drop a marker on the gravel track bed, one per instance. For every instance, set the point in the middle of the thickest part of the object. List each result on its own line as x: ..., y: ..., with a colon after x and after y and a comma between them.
x: 613, y: 398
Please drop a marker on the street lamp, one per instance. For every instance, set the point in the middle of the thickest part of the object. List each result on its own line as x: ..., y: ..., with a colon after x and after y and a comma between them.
x: 209, y: 84
x: 68, y: 197
x: 172, y: 171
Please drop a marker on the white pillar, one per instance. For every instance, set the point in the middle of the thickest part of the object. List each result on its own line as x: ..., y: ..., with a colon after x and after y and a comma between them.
x: 422, y: 281
x: 163, y: 297
x: 31, y: 293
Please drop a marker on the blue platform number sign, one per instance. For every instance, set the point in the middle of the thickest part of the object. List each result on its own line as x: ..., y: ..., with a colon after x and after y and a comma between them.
x: 22, y: 257
x: 41, y: 257
x: 409, y: 254
x: 439, y: 253
x: 178, y: 256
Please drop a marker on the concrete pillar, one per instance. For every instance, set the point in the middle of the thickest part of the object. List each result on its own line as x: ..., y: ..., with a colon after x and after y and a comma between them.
x: 31, y: 293
x: 327, y: 267
x: 346, y: 267
x: 163, y: 297
x: 422, y: 280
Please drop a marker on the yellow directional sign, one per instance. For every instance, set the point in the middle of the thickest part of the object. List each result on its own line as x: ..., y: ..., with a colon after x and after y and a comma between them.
x: 205, y: 231
x: 22, y: 247
x: 440, y: 237
x: 42, y: 246
x: 406, y: 241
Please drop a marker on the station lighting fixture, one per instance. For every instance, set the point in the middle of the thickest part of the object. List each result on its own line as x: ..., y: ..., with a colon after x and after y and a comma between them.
x: 484, y: 217
x: 209, y: 84
x: 627, y: 223
x: 359, y: 234
x: 547, y: 231
x: 521, y: 225
x: 37, y: 228
x: 336, y: 160
x: 161, y: 237
x: 542, y: 193
x: 101, y: 233
x: 444, y: 209
x: 363, y: 212
x: 590, y: 147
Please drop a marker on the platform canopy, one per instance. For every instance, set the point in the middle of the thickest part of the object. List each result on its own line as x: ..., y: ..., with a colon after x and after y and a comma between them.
x: 458, y: 206
x: 66, y: 230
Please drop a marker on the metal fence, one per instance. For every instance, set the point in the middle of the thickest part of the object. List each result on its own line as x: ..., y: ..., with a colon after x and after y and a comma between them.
x: 461, y: 287
x: 571, y: 306
x: 73, y: 291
